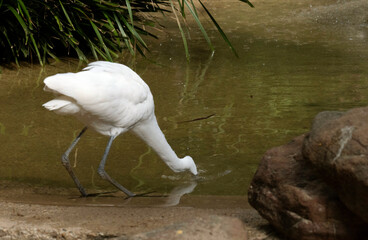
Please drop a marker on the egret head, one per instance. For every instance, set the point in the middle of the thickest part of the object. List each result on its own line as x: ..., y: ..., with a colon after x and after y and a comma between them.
x: 190, y: 165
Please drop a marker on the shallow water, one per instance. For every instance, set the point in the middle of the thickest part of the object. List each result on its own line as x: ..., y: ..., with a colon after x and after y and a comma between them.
x: 262, y: 99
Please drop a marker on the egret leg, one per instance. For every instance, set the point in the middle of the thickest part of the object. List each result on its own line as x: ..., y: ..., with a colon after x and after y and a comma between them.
x: 66, y: 163
x: 104, y: 175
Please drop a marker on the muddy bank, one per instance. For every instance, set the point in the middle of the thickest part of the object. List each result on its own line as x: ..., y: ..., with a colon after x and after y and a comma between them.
x: 41, y: 216
x: 31, y: 212
x: 33, y: 221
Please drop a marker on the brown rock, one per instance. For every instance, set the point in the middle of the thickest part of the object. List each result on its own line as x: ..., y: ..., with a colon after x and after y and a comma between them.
x: 338, y: 147
x: 290, y: 194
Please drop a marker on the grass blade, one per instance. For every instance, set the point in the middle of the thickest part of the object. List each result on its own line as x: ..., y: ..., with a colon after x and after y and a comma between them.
x: 66, y: 15
x: 219, y: 29
x: 24, y: 9
x: 194, y: 8
x: 181, y: 5
x: 104, y: 28
x: 134, y: 32
x: 181, y: 32
x: 59, y: 23
x: 247, y: 2
x: 11, y: 48
x: 204, y: 33
x: 108, y: 56
x: 93, y: 49
x: 125, y: 37
x: 36, y: 49
x: 20, y: 20
x: 127, y: 2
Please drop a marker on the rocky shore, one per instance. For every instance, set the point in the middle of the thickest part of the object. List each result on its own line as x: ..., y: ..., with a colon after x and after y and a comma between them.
x: 48, y: 216
x: 316, y: 186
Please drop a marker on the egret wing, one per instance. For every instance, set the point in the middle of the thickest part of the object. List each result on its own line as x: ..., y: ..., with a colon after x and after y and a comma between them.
x: 117, y: 97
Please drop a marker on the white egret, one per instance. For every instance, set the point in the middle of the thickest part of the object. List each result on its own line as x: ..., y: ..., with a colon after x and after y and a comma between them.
x: 111, y: 99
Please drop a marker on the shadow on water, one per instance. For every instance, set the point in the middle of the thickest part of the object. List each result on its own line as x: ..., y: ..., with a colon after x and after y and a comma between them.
x: 244, y: 106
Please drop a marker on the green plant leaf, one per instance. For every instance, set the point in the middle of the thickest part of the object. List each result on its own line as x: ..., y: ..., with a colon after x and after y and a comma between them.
x: 66, y: 15
x: 194, y: 8
x: 181, y: 32
x: 24, y: 9
x: 182, y: 9
x: 93, y: 49
x: 36, y: 49
x: 125, y: 37
x: 204, y: 33
x: 20, y: 20
x: 129, y: 10
x: 11, y: 47
x: 133, y: 31
x: 104, y: 28
x: 107, y: 52
x: 247, y: 2
x: 223, y: 35
x: 59, y: 23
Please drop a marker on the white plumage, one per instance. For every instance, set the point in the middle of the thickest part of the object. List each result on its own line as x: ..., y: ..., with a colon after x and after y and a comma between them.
x: 111, y: 99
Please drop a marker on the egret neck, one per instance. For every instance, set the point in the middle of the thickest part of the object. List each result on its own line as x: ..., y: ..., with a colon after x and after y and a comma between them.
x: 150, y: 132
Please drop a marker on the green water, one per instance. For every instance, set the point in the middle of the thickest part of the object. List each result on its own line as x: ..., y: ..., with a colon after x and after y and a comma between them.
x: 262, y: 99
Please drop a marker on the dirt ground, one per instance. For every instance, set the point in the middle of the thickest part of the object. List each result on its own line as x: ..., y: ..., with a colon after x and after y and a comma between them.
x: 38, y: 213
x: 31, y: 213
